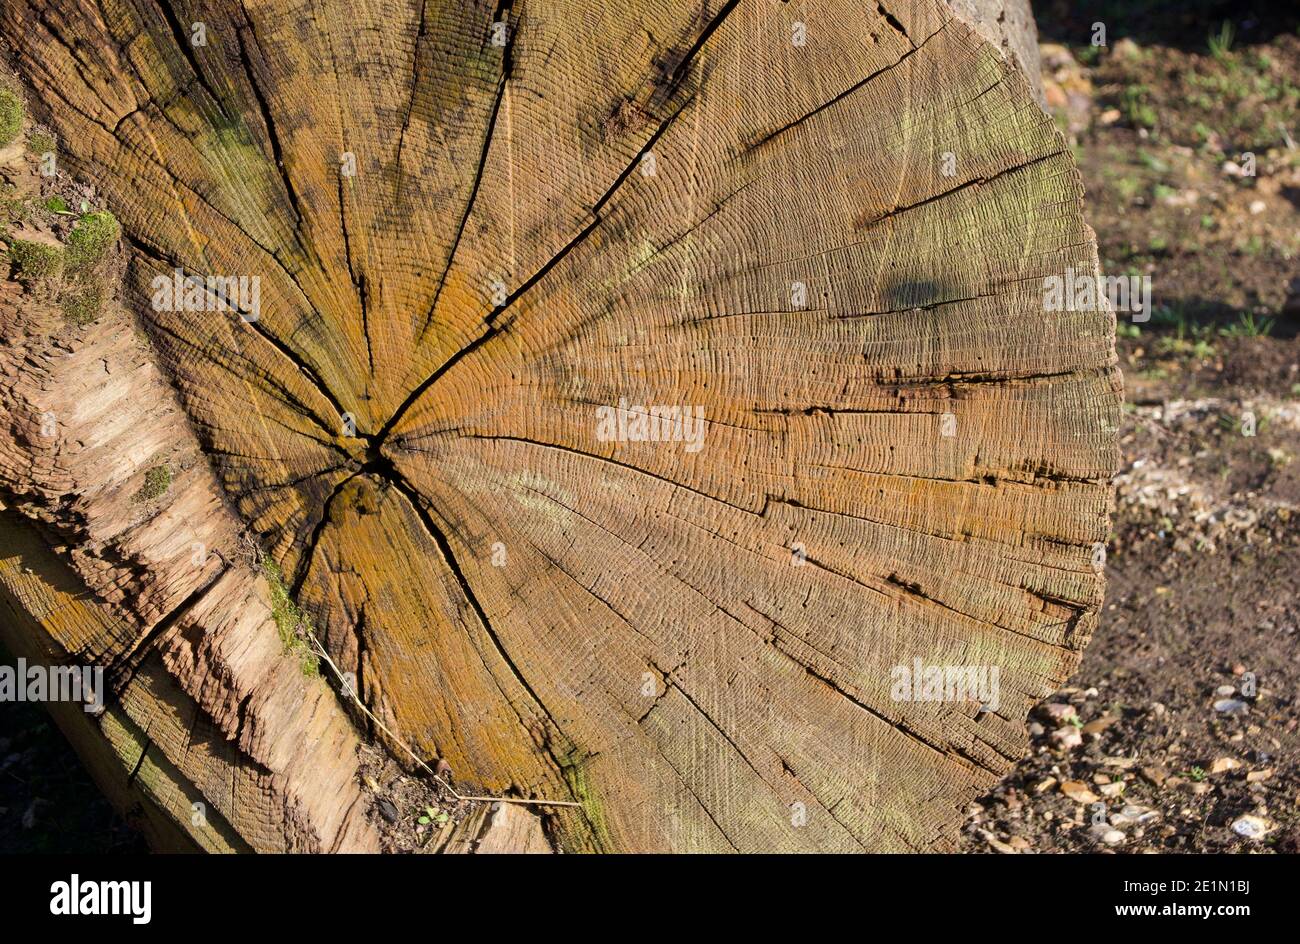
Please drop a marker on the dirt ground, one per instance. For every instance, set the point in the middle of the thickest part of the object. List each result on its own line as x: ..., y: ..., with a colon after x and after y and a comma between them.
x: 1179, y: 731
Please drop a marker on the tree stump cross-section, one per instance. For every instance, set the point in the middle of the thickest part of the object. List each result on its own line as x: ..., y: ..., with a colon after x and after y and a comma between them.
x: 633, y: 394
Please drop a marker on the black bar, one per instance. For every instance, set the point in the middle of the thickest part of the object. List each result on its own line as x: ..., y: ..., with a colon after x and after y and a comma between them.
x: 969, y: 894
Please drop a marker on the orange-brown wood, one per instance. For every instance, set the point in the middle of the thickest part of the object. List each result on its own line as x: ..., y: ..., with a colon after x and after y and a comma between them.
x: 486, y: 237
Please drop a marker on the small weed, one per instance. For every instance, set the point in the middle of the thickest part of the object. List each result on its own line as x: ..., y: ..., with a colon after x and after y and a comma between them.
x: 156, y: 482
x: 432, y: 816
x: 1153, y: 163
x: 1196, y: 774
x: 293, y: 624
x: 1088, y: 55
x: 1135, y: 108
x: 1252, y: 246
x: 1128, y: 188
x: 1248, y: 326
x: 1171, y: 316
x: 1220, y: 43
x: 1200, y: 349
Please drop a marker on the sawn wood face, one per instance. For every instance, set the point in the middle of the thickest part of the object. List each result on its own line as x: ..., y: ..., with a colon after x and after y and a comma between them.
x: 478, y: 264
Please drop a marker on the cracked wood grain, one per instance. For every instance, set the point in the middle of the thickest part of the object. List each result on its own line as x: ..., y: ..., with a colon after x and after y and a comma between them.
x: 913, y: 462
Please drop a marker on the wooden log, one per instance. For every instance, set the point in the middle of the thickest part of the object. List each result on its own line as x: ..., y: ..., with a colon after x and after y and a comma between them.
x: 631, y: 396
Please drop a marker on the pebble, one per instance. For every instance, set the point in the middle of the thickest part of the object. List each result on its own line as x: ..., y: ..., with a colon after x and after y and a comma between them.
x: 1231, y: 706
x: 1132, y: 813
x: 1112, y: 789
x: 1155, y: 774
x: 1241, y: 518
x: 1107, y: 835
x: 1078, y: 791
x: 1067, y: 738
x: 1250, y: 826
x: 1257, y: 207
x: 1225, y: 690
x: 1098, y: 725
x: 1224, y: 764
x: 1259, y: 776
x: 387, y: 810
x: 996, y: 843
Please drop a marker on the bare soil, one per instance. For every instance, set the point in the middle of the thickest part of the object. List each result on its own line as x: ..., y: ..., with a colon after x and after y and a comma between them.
x: 1184, y: 715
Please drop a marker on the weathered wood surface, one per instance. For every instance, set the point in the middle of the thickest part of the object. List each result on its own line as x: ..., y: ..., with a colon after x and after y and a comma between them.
x: 200, y: 681
x: 690, y: 644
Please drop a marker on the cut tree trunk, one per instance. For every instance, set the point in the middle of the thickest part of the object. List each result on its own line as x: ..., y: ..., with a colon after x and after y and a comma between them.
x: 484, y: 240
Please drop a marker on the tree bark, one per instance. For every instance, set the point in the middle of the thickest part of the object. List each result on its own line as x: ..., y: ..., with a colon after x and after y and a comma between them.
x: 487, y: 240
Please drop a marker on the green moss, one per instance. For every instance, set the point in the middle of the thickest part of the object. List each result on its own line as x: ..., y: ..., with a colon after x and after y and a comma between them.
x: 90, y: 239
x: 11, y: 116
x: 576, y: 778
x: 81, y: 306
x: 41, y: 142
x: 56, y: 204
x: 292, y: 623
x: 14, y: 209
x: 156, y: 482
x: 35, y: 260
